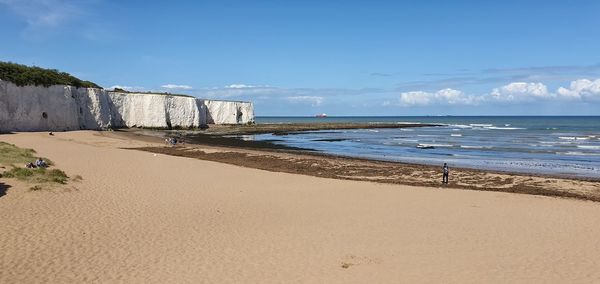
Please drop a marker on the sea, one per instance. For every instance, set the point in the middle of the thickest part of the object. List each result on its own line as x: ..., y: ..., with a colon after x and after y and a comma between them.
x: 556, y: 145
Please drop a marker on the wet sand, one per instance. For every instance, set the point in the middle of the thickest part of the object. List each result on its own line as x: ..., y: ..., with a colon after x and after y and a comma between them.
x: 141, y: 217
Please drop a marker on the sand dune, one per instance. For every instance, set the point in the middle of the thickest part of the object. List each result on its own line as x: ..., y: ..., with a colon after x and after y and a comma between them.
x: 138, y: 217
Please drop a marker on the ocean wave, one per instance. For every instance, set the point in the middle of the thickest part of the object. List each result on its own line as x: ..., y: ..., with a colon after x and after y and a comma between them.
x: 575, y: 153
x: 504, y: 128
x: 590, y: 147
x: 573, y: 138
x: 475, y: 147
x: 434, y: 145
x: 483, y: 126
x: 456, y: 135
x: 460, y: 126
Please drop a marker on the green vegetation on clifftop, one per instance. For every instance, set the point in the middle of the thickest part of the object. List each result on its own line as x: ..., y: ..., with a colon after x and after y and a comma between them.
x: 23, y: 75
x: 119, y: 90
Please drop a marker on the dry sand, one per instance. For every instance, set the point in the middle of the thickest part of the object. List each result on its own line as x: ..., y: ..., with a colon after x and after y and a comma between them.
x: 139, y: 217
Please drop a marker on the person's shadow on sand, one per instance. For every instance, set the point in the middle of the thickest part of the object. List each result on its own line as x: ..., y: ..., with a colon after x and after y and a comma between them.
x: 3, y: 188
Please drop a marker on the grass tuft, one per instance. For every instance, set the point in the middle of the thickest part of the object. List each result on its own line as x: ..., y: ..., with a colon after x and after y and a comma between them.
x: 11, y: 154
x: 38, y: 175
x: 16, y: 158
x: 35, y: 188
x: 57, y: 176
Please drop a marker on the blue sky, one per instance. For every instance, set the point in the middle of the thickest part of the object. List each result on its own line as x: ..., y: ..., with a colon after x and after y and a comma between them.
x: 334, y: 57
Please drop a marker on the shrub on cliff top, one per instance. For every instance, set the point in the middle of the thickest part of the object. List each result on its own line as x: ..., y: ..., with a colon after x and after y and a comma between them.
x: 22, y: 75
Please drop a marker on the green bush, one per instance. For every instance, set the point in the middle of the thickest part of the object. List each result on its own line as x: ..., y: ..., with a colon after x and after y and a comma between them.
x: 23, y: 75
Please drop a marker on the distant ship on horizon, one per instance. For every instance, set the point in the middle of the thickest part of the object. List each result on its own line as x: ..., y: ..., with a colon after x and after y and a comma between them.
x: 321, y: 115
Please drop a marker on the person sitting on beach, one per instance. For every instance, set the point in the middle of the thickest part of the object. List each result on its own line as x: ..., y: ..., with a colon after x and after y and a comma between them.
x: 40, y: 163
x: 30, y: 165
x: 446, y: 172
x: 170, y: 141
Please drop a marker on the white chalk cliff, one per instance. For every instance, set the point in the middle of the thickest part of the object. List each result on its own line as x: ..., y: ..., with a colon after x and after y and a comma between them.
x: 59, y: 107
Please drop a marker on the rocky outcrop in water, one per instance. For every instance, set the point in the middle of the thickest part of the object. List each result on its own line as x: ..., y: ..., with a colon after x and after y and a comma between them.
x: 59, y: 107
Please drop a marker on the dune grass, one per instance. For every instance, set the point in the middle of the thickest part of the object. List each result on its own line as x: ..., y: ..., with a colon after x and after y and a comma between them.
x: 38, y: 175
x: 16, y: 158
x: 11, y: 154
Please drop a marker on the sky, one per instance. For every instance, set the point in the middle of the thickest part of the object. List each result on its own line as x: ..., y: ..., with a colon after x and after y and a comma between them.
x: 301, y: 58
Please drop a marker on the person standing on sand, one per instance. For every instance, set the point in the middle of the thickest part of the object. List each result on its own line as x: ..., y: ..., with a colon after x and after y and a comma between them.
x: 445, y: 176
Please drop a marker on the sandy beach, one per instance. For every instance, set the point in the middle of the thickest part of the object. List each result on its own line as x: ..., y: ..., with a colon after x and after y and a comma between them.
x: 142, y: 217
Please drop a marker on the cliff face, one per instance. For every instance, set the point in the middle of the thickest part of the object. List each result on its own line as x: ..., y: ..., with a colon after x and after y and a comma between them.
x: 35, y: 108
x: 150, y: 110
x: 32, y: 108
x: 226, y: 112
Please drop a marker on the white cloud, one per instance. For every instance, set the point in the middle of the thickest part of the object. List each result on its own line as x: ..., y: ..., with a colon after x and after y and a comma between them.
x: 521, y: 92
x: 267, y: 92
x: 513, y: 93
x: 43, y: 19
x: 243, y: 86
x: 129, y: 88
x: 583, y: 89
x: 441, y: 97
x: 43, y: 13
x: 312, y: 100
x: 179, y: 87
x: 227, y: 92
x: 44, y: 16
